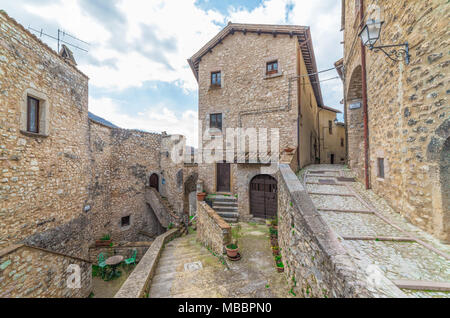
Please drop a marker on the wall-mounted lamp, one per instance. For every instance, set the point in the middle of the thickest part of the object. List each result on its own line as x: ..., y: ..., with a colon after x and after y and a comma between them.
x: 371, y: 33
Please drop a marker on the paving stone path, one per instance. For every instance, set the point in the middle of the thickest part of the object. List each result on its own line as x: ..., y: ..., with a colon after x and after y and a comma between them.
x: 187, y: 269
x: 372, y: 232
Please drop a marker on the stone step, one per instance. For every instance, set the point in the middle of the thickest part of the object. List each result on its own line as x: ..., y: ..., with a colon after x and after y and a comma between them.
x: 225, y: 208
x: 228, y: 214
x: 171, y: 259
x: 224, y: 199
x: 225, y: 203
x: 230, y: 220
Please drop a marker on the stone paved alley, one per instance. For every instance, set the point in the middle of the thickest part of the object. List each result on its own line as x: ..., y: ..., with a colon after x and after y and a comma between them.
x: 372, y: 232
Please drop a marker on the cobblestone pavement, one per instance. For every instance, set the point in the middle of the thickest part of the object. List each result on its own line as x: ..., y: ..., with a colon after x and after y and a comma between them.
x: 373, y: 232
x: 254, y: 276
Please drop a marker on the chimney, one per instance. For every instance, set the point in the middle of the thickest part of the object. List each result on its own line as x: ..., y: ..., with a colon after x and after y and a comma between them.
x: 67, y: 54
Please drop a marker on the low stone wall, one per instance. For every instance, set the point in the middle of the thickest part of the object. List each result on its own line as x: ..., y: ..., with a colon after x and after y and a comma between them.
x: 34, y: 272
x: 126, y: 250
x: 212, y: 230
x: 138, y: 283
x: 312, y: 253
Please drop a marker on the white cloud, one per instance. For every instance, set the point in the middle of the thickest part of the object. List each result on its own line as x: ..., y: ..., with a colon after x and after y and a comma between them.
x: 153, y: 119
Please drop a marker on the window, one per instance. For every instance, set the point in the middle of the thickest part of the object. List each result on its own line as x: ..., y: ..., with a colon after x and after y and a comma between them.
x: 381, y: 168
x: 342, y: 142
x: 272, y: 68
x: 215, y: 121
x: 32, y: 115
x: 330, y: 127
x: 125, y: 221
x: 216, y: 79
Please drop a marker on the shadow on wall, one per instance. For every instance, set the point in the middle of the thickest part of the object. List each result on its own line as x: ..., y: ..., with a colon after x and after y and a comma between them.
x: 445, y: 186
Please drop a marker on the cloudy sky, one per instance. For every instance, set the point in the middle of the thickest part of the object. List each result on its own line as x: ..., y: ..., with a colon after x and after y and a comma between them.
x: 139, y: 77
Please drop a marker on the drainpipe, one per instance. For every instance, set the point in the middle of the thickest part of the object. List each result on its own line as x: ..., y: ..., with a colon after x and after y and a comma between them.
x: 318, y: 131
x: 364, y: 97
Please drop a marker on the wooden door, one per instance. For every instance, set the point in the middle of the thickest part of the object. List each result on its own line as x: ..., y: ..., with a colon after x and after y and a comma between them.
x: 154, y: 181
x: 263, y: 197
x: 223, y: 177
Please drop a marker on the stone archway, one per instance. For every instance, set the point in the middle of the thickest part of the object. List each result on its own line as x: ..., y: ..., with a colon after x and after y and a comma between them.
x: 190, y: 186
x: 355, y: 121
x: 154, y: 181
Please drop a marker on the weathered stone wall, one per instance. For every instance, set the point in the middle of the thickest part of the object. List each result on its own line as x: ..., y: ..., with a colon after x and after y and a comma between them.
x: 125, y: 250
x: 246, y: 95
x: 32, y: 272
x: 212, y: 230
x: 408, y: 108
x: 45, y: 176
x: 313, y: 256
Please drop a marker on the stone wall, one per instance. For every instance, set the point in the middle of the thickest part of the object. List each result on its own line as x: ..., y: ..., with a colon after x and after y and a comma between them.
x: 126, y: 250
x: 45, y: 176
x: 212, y: 230
x: 138, y: 283
x: 408, y: 108
x: 313, y: 256
x: 37, y: 273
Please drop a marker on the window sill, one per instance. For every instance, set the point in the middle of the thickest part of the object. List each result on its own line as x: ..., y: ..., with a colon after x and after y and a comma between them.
x: 380, y: 179
x: 214, y: 87
x: 275, y: 75
x: 32, y: 134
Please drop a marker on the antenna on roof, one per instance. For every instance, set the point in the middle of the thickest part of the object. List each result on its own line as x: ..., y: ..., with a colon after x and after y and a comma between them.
x: 59, y: 38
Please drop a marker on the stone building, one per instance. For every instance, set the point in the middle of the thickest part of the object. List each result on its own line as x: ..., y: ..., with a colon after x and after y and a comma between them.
x: 259, y: 77
x: 331, y: 137
x: 67, y: 179
x: 397, y: 114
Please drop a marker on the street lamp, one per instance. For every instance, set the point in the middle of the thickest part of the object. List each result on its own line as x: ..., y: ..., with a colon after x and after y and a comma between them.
x: 371, y: 33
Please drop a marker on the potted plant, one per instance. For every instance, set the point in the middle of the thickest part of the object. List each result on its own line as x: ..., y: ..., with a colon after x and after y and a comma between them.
x: 273, y: 233
x: 276, y: 250
x: 280, y: 266
x: 104, y: 241
x: 233, y: 248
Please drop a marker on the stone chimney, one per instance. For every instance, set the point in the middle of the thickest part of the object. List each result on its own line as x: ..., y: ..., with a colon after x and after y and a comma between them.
x: 67, y: 54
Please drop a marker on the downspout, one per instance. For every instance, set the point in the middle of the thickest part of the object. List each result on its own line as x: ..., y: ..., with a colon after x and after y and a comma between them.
x: 364, y: 97
x: 318, y: 131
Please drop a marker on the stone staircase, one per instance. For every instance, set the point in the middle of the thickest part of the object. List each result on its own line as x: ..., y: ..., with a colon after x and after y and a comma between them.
x: 227, y: 207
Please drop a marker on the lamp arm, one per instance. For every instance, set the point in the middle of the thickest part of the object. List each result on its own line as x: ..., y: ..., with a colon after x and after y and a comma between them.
x: 400, y: 53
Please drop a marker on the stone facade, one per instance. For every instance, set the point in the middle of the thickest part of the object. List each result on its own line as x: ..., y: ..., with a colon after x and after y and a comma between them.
x: 314, y: 258
x: 407, y: 108
x: 75, y: 179
x: 32, y: 272
x: 248, y: 97
x: 212, y: 230
x: 332, y: 143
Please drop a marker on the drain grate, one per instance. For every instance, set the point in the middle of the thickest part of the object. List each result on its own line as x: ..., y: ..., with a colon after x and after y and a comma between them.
x: 192, y: 267
x: 327, y: 181
x: 344, y: 179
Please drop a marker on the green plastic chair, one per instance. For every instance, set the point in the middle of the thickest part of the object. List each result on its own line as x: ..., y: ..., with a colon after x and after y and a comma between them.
x: 132, y: 259
x: 101, y: 263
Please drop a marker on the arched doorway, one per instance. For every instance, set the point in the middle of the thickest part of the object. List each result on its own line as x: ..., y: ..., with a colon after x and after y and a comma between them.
x: 154, y: 181
x: 190, y: 198
x: 263, y: 197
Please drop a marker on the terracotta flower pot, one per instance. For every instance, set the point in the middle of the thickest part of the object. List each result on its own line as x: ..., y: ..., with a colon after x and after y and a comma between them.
x: 280, y: 269
x: 232, y: 252
x: 289, y: 150
x: 201, y: 196
x: 276, y: 252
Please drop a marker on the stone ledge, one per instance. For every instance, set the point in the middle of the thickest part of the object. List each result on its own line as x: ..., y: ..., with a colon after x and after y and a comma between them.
x: 138, y: 282
x: 15, y: 247
x: 220, y: 222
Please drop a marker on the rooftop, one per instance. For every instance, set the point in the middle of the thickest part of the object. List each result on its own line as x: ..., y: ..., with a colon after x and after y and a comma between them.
x: 301, y: 32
